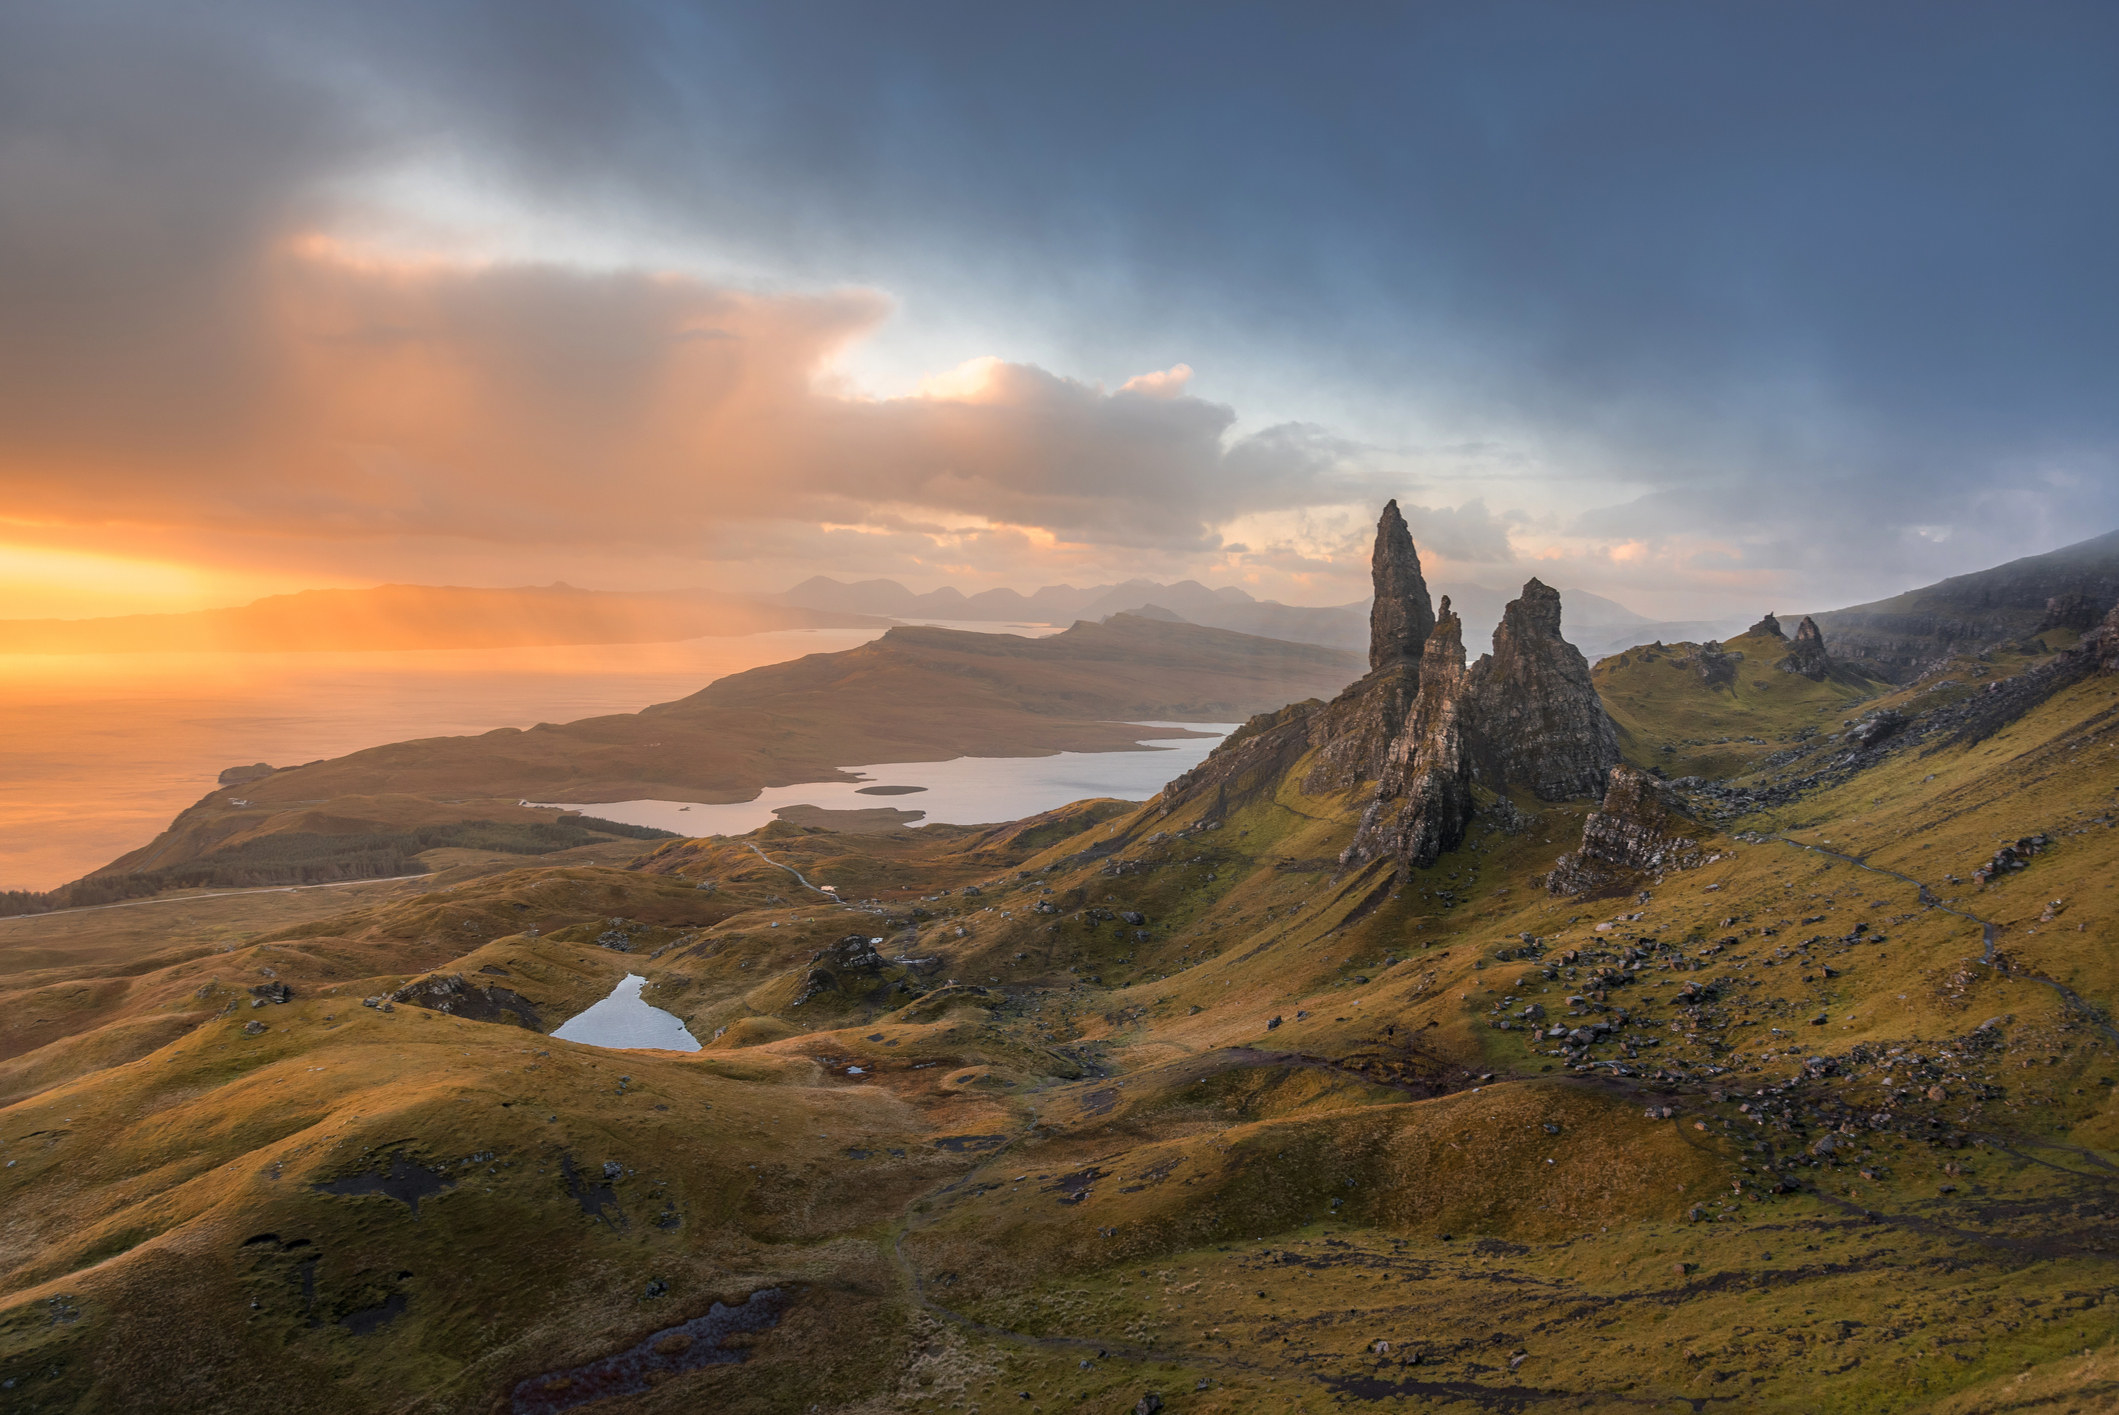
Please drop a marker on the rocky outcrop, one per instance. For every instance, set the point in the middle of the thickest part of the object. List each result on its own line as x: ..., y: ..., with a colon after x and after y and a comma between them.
x: 1525, y: 717
x: 852, y: 961
x: 1769, y: 626
x: 451, y: 993
x: 1807, y: 654
x: 1716, y: 665
x: 1640, y: 829
x: 1353, y: 733
x: 1402, y: 616
x: 2073, y: 610
x: 1424, y: 797
x: 1536, y: 719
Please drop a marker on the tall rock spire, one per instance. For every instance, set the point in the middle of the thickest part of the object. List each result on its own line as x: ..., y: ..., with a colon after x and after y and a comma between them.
x: 1403, y: 615
x: 1424, y: 796
x: 1540, y: 722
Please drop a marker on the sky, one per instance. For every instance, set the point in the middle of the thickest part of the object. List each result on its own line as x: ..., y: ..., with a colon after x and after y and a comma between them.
x: 1708, y: 308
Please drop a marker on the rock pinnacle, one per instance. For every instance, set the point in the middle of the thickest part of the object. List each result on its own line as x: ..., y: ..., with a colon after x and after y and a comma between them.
x: 1403, y: 616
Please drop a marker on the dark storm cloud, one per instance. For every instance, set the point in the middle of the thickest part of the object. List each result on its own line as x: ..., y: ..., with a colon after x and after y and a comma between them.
x: 1829, y: 283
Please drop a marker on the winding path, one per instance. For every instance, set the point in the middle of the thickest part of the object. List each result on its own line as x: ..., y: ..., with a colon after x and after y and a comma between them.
x: 1990, y: 935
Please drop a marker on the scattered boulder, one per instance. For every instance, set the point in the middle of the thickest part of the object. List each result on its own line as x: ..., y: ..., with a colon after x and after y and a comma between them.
x: 271, y: 992
x: 852, y: 958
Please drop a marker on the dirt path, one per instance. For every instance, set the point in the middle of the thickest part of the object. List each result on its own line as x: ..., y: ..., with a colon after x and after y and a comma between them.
x: 1989, y: 933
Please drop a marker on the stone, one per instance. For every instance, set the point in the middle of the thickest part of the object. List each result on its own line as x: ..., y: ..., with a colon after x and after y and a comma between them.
x: 1716, y: 666
x: 1424, y: 797
x: 1353, y: 733
x: 1768, y: 626
x: 1401, y: 617
x: 2073, y: 610
x: 1807, y: 654
x: 1641, y: 827
x: 1537, y: 720
x: 1149, y: 1404
x: 271, y: 992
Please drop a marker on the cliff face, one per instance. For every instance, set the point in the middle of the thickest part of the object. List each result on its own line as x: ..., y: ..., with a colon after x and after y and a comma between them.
x: 1539, y: 723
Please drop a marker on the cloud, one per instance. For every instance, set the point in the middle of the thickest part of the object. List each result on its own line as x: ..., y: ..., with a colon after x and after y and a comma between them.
x: 525, y: 404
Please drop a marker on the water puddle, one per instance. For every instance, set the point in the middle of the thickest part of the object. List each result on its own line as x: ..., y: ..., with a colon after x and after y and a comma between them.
x: 623, y: 1020
x: 671, y: 1351
x: 963, y: 791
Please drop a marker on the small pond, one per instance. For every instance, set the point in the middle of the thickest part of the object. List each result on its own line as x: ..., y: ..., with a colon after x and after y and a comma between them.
x: 623, y: 1020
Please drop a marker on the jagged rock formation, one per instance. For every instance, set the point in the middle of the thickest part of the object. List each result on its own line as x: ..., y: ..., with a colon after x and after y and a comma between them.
x: 1424, y: 799
x: 1423, y: 726
x: 1807, y: 654
x: 1716, y: 665
x: 1769, y: 626
x: 1537, y: 720
x: 1402, y: 617
x: 1353, y: 733
x: 1640, y: 829
x: 1526, y: 716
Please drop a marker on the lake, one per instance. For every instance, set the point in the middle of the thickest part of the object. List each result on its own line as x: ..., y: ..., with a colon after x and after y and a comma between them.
x: 623, y: 1020
x: 961, y: 791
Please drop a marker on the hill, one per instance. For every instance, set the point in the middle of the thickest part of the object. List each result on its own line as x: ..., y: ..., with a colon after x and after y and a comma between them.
x: 1414, y: 1050
x: 2067, y: 590
x: 421, y: 617
x: 915, y: 694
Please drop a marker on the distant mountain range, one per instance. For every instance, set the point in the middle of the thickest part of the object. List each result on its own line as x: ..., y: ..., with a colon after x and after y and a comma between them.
x: 1593, y: 623
x: 2067, y: 589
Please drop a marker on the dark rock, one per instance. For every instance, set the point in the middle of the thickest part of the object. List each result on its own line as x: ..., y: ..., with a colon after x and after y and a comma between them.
x: 2072, y: 610
x: 1402, y: 616
x: 1527, y: 716
x: 451, y: 993
x: 1717, y: 667
x: 1769, y: 626
x: 1353, y: 733
x: 1536, y: 719
x: 1424, y: 797
x: 272, y: 992
x: 853, y: 957
x: 1876, y: 726
x: 1149, y: 1404
x: 1640, y: 828
x: 1807, y: 654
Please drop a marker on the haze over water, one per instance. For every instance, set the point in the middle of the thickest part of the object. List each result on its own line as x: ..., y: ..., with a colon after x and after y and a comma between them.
x: 98, y: 752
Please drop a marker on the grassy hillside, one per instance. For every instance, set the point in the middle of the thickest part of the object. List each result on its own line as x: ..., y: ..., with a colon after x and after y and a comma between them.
x: 1127, y: 1102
